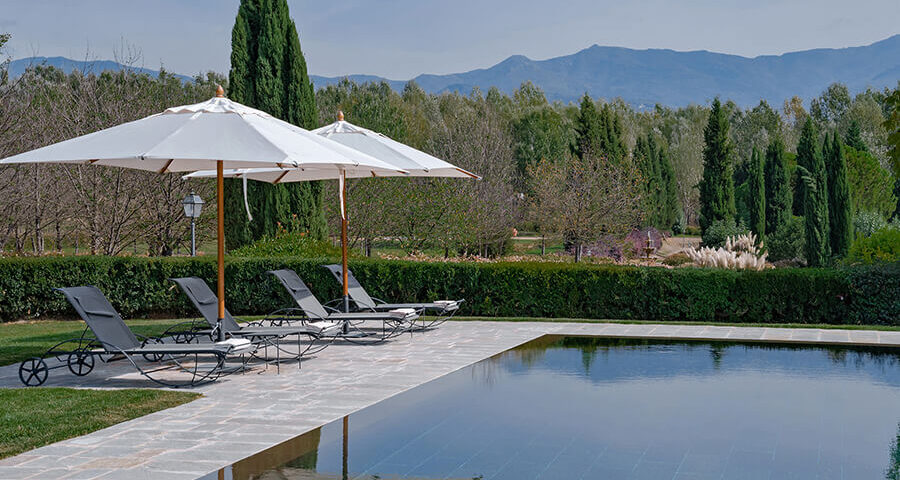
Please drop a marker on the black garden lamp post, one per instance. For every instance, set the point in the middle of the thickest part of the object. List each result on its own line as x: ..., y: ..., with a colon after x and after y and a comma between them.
x: 192, y: 204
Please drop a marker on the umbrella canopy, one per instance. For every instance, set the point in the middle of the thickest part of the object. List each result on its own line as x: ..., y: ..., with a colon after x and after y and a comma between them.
x: 195, y: 137
x: 416, y: 162
x: 405, y: 159
x: 217, y: 133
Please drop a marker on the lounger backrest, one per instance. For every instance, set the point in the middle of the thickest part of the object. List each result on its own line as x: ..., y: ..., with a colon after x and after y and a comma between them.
x: 107, y: 325
x: 206, y: 302
x: 356, y: 291
x: 300, y: 293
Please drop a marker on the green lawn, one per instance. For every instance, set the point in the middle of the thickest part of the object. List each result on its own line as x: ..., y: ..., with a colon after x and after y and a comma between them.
x: 33, y: 417
x: 21, y: 340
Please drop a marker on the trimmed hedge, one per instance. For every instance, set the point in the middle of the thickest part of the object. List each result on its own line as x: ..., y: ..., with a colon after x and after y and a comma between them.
x: 138, y: 287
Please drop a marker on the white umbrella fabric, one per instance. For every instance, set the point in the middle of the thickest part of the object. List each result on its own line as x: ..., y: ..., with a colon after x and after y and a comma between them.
x: 382, y: 147
x: 218, y: 133
x: 413, y: 162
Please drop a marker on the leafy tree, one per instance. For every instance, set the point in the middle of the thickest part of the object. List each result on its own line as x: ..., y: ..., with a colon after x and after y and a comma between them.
x: 839, y: 207
x: 815, y: 195
x: 538, y: 133
x: 829, y: 107
x: 584, y: 198
x: 757, y: 194
x: 871, y: 186
x: 717, y: 184
x: 778, y: 187
x: 268, y: 72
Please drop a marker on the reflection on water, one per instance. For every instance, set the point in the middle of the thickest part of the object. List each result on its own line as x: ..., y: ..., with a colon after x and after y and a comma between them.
x: 587, y: 407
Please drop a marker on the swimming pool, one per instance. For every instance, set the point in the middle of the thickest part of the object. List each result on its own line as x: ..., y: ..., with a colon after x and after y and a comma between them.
x: 592, y: 408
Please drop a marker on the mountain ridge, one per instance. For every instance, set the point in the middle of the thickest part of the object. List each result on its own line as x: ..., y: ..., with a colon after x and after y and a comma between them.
x: 641, y: 77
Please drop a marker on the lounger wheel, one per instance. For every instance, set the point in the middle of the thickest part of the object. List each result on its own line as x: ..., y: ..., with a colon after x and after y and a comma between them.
x: 33, y: 372
x: 152, y: 357
x: 185, y: 337
x: 80, y: 362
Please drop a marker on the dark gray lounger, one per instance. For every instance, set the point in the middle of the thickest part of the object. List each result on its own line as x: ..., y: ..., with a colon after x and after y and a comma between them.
x: 114, y: 338
x: 207, y: 304
x: 363, y: 301
x: 393, y: 323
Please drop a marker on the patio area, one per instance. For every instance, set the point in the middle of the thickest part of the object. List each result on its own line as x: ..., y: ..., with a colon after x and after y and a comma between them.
x: 241, y: 415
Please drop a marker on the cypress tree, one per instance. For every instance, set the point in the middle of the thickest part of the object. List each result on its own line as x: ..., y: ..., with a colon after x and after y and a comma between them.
x: 815, y: 195
x: 268, y: 72
x: 717, y: 184
x: 757, y: 198
x: 670, y: 207
x: 589, y: 129
x: 854, y: 138
x: 839, y: 208
x: 779, y: 201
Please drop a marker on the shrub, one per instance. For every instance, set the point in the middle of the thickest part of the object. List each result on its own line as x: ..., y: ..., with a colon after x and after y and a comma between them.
x: 677, y: 259
x: 881, y: 246
x: 139, y: 287
x: 719, y: 231
x: 867, y: 223
x: 788, y: 242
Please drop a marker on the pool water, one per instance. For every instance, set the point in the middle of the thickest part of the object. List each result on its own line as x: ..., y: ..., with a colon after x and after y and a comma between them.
x: 599, y: 408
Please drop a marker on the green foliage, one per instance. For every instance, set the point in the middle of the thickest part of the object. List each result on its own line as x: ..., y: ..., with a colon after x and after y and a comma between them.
x: 788, y: 242
x: 778, y: 187
x: 883, y: 245
x: 757, y: 195
x: 871, y: 186
x: 840, y: 227
x: 268, y: 72
x: 599, y: 132
x: 867, y: 223
x: 660, y: 183
x: 720, y: 230
x: 289, y: 244
x: 892, y: 125
x: 540, y: 133
x: 717, y: 184
x: 815, y: 196
x: 854, y: 137
x: 138, y: 286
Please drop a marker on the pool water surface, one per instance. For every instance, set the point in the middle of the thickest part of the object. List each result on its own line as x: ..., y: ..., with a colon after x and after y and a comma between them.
x: 601, y: 408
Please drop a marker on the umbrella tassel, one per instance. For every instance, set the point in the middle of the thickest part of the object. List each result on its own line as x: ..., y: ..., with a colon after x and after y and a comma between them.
x: 246, y: 203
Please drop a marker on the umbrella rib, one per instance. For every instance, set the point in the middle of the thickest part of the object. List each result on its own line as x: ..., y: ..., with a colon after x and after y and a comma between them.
x: 166, y: 167
x: 278, y: 180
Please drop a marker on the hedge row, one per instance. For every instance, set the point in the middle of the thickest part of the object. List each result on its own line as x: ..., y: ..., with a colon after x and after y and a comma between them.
x: 138, y: 287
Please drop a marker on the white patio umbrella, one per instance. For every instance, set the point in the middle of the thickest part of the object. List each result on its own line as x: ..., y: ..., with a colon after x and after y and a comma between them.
x: 413, y: 162
x: 216, y: 134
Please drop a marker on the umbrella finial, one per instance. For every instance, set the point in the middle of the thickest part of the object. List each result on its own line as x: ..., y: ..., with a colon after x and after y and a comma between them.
x: 340, y: 115
x: 220, y: 92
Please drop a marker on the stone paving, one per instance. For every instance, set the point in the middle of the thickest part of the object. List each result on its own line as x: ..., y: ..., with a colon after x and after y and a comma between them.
x: 244, y: 414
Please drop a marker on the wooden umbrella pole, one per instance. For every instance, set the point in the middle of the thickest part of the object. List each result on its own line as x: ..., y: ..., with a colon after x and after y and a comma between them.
x: 344, y: 240
x: 220, y: 245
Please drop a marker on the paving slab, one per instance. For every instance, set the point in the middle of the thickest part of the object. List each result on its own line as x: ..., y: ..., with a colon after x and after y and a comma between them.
x: 243, y: 414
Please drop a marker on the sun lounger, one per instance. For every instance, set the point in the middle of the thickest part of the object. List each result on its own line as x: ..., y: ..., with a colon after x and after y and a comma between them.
x: 206, y: 302
x: 442, y: 310
x: 393, y: 322
x: 114, y: 340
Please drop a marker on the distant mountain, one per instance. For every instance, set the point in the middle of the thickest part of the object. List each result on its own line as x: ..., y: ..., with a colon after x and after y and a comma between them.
x: 647, y: 77
x: 18, y: 67
x: 640, y: 77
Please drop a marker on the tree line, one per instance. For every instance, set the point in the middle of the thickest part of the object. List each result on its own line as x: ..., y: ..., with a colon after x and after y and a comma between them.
x: 581, y: 171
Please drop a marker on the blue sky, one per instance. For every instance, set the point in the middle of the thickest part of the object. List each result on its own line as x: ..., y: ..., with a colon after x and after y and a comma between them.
x: 402, y: 38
